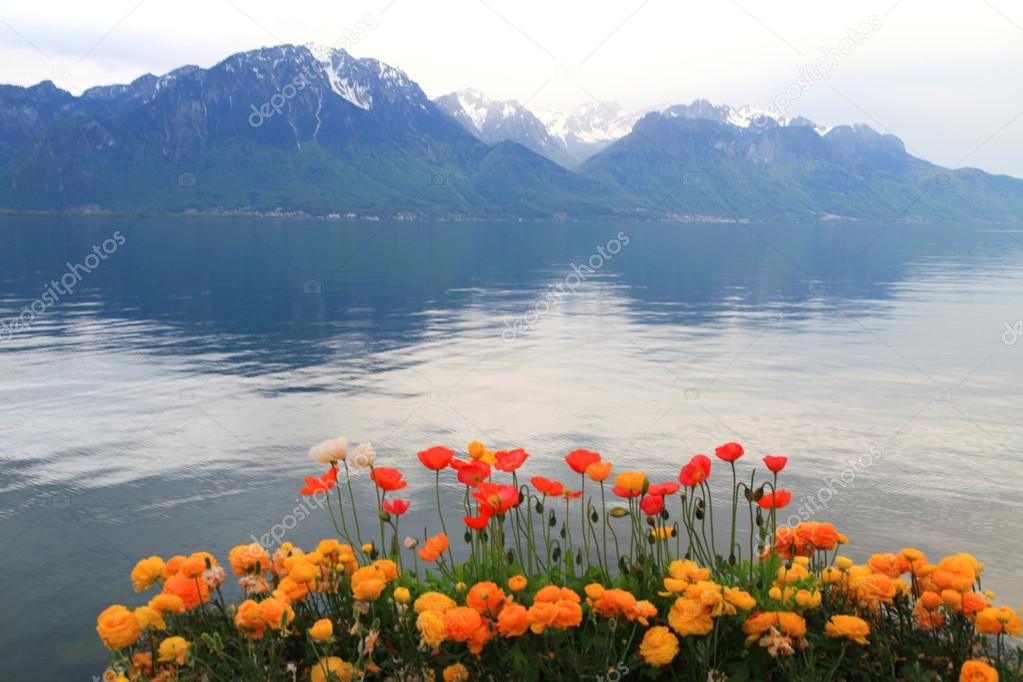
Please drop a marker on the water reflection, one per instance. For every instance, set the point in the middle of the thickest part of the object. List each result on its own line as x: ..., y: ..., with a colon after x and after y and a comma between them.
x: 166, y: 404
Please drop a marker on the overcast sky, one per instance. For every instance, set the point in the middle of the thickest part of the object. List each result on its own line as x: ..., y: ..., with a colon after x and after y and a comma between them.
x: 944, y: 75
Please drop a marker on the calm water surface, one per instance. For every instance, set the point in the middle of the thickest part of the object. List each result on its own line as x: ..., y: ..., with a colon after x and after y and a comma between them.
x: 166, y: 404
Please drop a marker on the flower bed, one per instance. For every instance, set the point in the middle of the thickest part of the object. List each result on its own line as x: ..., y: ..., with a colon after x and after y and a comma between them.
x: 617, y: 578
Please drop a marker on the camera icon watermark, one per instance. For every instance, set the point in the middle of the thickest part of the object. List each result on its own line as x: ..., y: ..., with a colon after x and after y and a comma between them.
x: 564, y: 71
x: 690, y: 179
x: 186, y: 394
x: 817, y: 287
x: 439, y: 395
x: 691, y: 394
x: 312, y: 286
x: 943, y: 179
x: 61, y: 71
x: 439, y: 179
x: 943, y: 394
x: 1012, y: 333
x: 186, y: 180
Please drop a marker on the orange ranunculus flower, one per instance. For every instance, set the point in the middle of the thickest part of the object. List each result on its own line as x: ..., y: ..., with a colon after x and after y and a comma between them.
x: 322, y: 630
x: 875, y: 589
x: 513, y: 620
x: 368, y: 583
x: 659, y: 646
x: 387, y: 479
x: 643, y: 612
x: 824, y: 536
x: 998, y: 620
x: 433, y: 547
x: 977, y: 671
x: 146, y: 572
x: 172, y: 565
x: 911, y: 560
x: 486, y: 597
x: 888, y: 564
x: 967, y: 603
x: 740, y: 599
x: 436, y: 458
x: 849, y: 627
x: 553, y: 593
x: 569, y: 614
x: 388, y: 568
x: 332, y: 667
x: 517, y: 583
x: 594, y: 591
x: 292, y: 591
x: 541, y: 615
x: 599, y: 471
x: 247, y: 559
x: 580, y: 459
x: 300, y: 569
x: 276, y: 613
x: 167, y: 603
x: 150, y: 618
x: 786, y: 622
x: 193, y: 591
x: 614, y: 602
x: 456, y: 672
x: 689, y: 617
x: 434, y: 601
x: 461, y: 623
x: 248, y: 620
x: 479, y: 638
x: 117, y: 627
x: 927, y: 619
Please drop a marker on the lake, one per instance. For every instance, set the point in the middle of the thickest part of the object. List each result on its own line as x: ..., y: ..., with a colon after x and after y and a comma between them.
x: 161, y: 398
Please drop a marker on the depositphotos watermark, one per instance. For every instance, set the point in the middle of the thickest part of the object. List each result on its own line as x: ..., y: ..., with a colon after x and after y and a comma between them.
x: 59, y: 288
x: 275, y: 105
x: 567, y: 284
x: 820, y: 69
x: 303, y: 510
x: 818, y: 501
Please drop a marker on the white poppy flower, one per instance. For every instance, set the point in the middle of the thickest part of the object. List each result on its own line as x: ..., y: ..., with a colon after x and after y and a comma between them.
x: 330, y: 451
x: 364, y: 456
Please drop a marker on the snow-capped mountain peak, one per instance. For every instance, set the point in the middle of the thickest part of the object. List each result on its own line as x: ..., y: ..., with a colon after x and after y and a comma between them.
x: 359, y: 80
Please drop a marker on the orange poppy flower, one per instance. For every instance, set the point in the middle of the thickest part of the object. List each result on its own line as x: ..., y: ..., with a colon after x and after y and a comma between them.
x: 696, y: 472
x: 599, y: 471
x: 511, y: 460
x: 319, y: 484
x: 547, y: 486
x: 779, y: 499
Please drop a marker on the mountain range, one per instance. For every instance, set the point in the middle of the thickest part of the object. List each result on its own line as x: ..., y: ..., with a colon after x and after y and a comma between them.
x: 297, y: 128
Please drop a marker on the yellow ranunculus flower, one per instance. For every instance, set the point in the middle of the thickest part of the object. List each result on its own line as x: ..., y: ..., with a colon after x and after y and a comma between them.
x: 740, y: 599
x: 849, y: 627
x: 117, y: 627
x: 401, y: 595
x: 146, y: 572
x: 320, y: 672
x: 173, y: 649
x: 689, y: 617
x: 434, y: 601
x: 977, y: 671
x: 659, y: 646
x: 431, y: 628
x: 322, y: 630
x: 843, y: 562
x: 517, y: 583
x: 148, y: 617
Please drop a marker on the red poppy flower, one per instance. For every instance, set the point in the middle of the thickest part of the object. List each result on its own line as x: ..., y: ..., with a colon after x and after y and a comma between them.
x: 571, y: 494
x: 580, y: 459
x: 662, y: 489
x: 696, y: 472
x: 478, y: 522
x: 510, y: 460
x: 775, y: 462
x: 729, y: 452
x: 651, y: 504
x: 777, y: 500
x: 319, y: 484
x: 496, y: 499
x: 473, y: 473
x: 437, y: 457
x: 625, y: 492
x: 457, y: 464
x: 547, y: 487
x: 387, y: 478
x: 396, y: 506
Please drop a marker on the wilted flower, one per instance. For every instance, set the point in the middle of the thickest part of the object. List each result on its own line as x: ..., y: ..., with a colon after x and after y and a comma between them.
x: 330, y: 451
